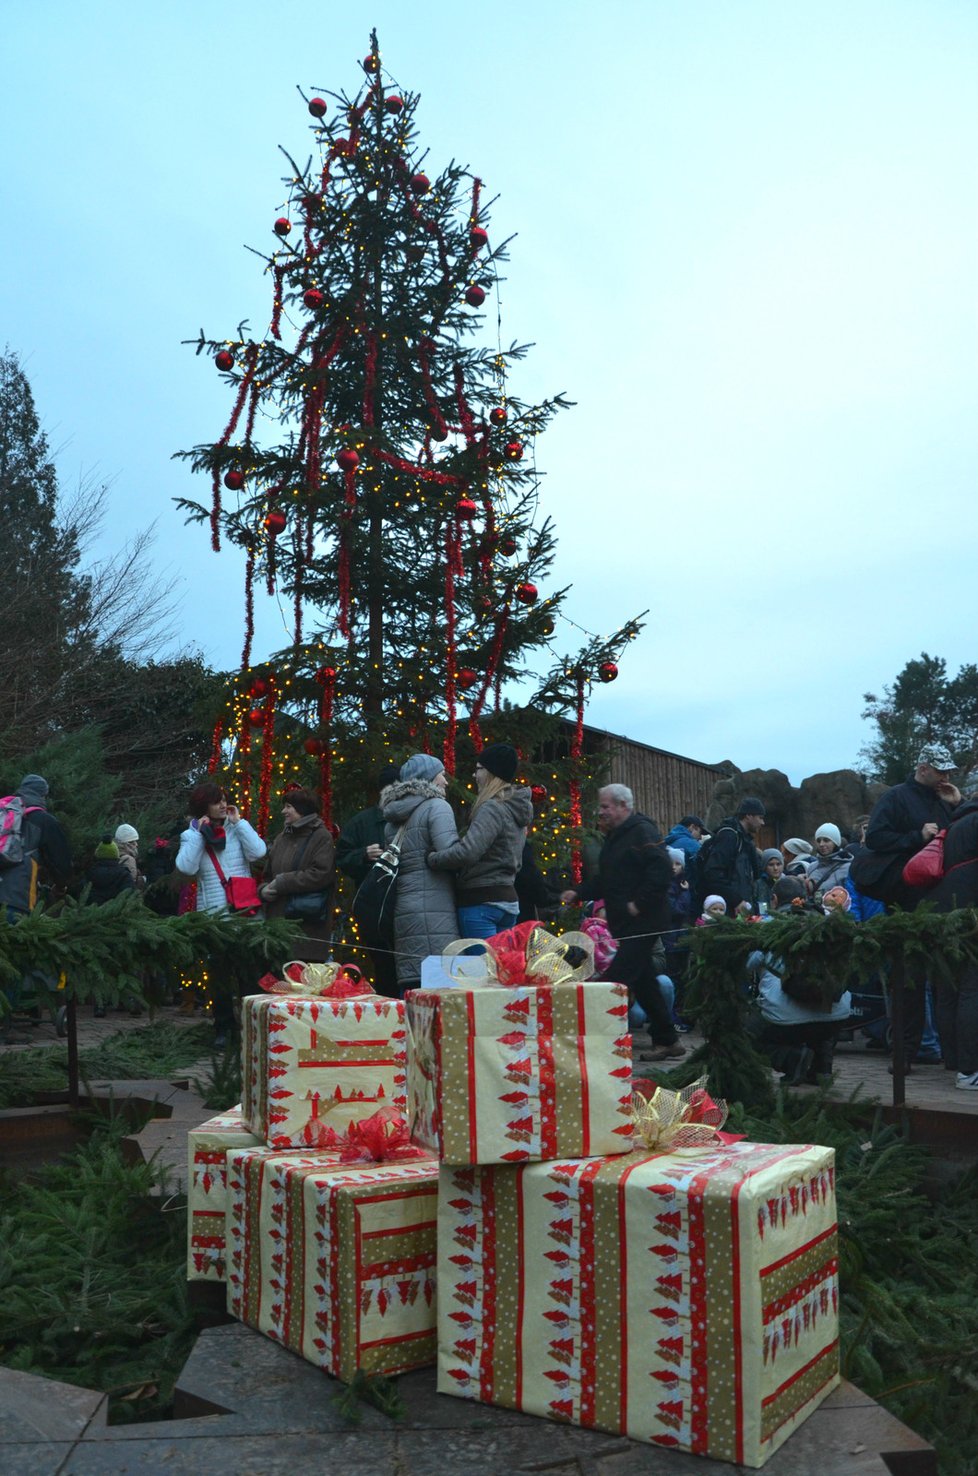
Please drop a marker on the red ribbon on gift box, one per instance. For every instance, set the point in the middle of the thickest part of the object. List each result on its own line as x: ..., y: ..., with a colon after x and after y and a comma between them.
x: 382, y: 1138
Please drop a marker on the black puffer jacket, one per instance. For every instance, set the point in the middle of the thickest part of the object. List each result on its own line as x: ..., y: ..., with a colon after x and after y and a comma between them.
x: 107, y: 879
x: 900, y: 815
x: 634, y: 867
x: 732, y: 866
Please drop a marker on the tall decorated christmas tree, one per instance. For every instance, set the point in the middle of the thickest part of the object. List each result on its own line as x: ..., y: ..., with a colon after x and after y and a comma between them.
x: 378, y: 474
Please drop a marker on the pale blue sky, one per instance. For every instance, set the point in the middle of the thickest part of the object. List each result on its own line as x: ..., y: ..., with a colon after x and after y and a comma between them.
x: 746, y: 248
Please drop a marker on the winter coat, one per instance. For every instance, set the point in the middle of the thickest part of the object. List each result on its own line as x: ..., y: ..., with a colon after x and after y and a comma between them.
x: 829, y: 871
x: 490, y: 853
x: 308, y: 846
x: 364, y: 829
x: 901, y: 813
x: 127, y: 856
x: 424, y: 917
x: 959, y: 885
x: 634, y: 867
x: 107, y: 879
x: 732, y: 867
x: 862, y: 908
x: 683, y: 840
x: 781, y: 1009
x: 243, y: 845
x: 45, y: 847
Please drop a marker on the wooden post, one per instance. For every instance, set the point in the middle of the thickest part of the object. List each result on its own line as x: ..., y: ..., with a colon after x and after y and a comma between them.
x: 897, y: 1012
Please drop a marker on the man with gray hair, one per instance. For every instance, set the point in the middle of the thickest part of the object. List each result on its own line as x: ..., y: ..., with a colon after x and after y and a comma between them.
x: 633, y: 879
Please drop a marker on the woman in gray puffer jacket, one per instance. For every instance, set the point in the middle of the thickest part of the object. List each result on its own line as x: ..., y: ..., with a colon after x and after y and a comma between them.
x: 491, y: 851
x: 424, y: 917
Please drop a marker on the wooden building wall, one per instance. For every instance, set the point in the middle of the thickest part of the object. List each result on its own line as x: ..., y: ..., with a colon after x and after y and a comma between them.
x: 666, y: 785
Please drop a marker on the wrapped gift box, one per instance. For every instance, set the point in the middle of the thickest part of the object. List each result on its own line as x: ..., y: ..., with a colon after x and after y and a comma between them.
x: 207, y: 1148
x: 508, y: 1074
x: 690, y: 1300
x: 311, y: 1066
x: 335, y: 1260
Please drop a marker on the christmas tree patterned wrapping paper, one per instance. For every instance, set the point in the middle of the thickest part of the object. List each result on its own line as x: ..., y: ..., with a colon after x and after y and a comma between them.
x: 207, y: 1148
x: 335, y: 1260
x: 311, y: 1065
x: 687, y: 1299
x: 511, y: 1074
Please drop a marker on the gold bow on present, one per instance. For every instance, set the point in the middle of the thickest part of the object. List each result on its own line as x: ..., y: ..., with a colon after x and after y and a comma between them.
x: 668, y: 1121
x: 321, y: 980
x: 529, y: 955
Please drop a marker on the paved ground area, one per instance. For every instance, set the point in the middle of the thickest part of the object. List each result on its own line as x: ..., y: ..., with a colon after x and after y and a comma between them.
x: 254, y: 1409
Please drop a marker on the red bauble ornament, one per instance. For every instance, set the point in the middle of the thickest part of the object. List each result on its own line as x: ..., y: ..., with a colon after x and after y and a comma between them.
x: 513, y: 450
x: 282, y: 226
x: 466, y: 678
x: 256, y: 717
x: 420, y: 184
x: 478, y: 237
x: 234, y: 480
x: 393, y: 104
x: 526, y: 593
x: 507, y: 546
x: 313, y: 298
x: 498, y: 415
x: 547, y: 627
x: 312, y: 746
x: 347, y: 459
x: 224, y: 360
x: 466, y: 509
x: 607, y: 671
x: 326, y: 674
x: 275, y: 524
x: 317, y: 107
x: 371, y: 63
x: 538, y: 794
x: 258, y: 687
x: 475, y: 295
x: 438, y: 432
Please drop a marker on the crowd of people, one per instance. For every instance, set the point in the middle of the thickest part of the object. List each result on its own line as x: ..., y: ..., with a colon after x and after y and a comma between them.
x: 640, y: 898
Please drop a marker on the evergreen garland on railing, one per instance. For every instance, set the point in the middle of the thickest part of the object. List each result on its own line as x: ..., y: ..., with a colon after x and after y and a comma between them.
x: 105, y: 952
x: 830, y: 951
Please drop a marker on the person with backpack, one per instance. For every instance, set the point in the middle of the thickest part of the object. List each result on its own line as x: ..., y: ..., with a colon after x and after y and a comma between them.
x: 300, y: 874
x: 33, y: 846
x: 419, y: 820
x: 729, y: 863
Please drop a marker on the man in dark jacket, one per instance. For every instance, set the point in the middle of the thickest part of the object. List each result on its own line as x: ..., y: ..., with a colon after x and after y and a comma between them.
x: 904, y: 819
x: 362, y: 837
x: 732, y: 865
x: 633, y: 878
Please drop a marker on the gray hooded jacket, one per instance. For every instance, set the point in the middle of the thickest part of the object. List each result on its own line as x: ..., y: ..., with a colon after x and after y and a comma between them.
x: 424, y: 919
x: 490, y: 853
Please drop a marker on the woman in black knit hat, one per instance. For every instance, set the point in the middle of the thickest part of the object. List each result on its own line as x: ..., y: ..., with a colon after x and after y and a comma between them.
x: 487, y: 858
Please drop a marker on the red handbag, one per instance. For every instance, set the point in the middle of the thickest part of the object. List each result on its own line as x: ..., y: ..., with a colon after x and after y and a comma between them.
x: 926, y: 866
x: 241, y: 891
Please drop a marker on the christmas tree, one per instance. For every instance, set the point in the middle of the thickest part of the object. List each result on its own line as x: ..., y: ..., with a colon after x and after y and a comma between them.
x: 378, y: 471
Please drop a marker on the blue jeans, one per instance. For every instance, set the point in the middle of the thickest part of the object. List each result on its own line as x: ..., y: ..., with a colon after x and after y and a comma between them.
x: 487, y: 918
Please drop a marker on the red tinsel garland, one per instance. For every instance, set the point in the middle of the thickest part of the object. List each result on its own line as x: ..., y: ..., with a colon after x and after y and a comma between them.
x: 267, y: 754
x: 216, y: 736
x: 465, y: 416
x: 249, y: 606
x: 425, y: 346
x: 424, y: 474
x: 495, y: 651
x: 476, y: 192
x: 326, y: 676
x: 577, y: 746
x: 278, y: 277
x: 251, y: 360
x: 343, y: 571
x: 370, y: 379
x: 453, y: 553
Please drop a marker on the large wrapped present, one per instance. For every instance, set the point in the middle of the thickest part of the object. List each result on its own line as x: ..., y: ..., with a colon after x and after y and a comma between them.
x: 335, y: 1260
x: 207, y: 1148
x: 318, y: 1053
x: 688, y: 1298
x: 535, y: 1065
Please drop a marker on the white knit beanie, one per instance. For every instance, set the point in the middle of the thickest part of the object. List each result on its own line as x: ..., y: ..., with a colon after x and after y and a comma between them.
x: 126, y: 833
x: 829, y: 832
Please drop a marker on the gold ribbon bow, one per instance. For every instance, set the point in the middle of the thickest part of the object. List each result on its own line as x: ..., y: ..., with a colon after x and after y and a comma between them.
x: 321, y: 979
x: 544, y: 959
x: 668, y: 1122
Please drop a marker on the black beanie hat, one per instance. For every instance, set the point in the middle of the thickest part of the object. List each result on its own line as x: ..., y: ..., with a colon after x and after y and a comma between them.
x: 500, y: 759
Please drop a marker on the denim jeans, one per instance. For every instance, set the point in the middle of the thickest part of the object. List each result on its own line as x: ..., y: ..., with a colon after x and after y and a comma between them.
x: 487, y: 918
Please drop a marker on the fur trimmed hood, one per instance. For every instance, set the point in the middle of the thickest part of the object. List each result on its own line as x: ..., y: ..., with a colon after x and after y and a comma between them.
x: 399, y: 800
